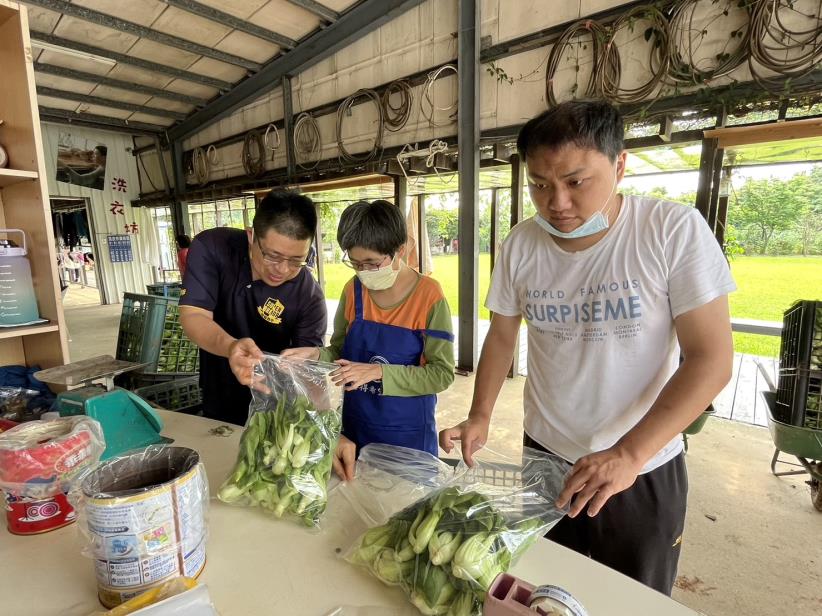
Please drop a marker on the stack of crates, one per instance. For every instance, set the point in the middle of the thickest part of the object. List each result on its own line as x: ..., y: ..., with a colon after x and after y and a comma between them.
x: 799, y: 391
x: 151, y: 334
x: 165, y: 289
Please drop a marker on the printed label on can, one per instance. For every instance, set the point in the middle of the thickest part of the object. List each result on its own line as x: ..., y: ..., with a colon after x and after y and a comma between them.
x: 146, y: 538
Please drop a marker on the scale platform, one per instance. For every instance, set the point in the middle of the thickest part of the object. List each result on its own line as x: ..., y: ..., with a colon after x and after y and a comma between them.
x: 128, y: 421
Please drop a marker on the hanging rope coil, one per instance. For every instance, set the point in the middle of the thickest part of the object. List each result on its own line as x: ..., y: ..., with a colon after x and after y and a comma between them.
x: 344, y: 110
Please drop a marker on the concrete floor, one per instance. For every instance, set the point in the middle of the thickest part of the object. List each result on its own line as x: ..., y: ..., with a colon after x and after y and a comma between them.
x: 753, y: 542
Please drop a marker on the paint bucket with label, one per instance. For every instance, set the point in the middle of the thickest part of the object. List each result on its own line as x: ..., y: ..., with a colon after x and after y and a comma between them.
x: 39, y: 462
x: 144, y: 514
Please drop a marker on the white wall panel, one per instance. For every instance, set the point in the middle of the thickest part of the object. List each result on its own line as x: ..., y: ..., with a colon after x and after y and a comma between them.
x: 118, y: 277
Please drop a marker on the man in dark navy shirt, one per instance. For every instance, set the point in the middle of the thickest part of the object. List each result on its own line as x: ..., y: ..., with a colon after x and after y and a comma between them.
x: 245, y: 292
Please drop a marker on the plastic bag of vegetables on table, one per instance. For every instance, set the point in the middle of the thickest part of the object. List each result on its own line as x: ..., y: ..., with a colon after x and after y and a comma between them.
x: 445, y: 549
x: 287, y: 447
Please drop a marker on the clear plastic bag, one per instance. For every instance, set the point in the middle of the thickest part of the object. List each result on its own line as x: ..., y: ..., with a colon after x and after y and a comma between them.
x: 143, y: 516
x: 40, y: 459
x: 287, y: 448
x: 445, y: 549
x: 19, y: 404
x: 390, y: 478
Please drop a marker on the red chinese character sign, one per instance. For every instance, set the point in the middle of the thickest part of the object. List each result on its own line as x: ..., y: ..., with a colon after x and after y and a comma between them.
x: 119, y: 184
x: 117, y: 208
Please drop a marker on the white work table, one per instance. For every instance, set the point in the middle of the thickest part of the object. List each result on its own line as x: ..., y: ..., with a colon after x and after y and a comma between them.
x: 259, y: 565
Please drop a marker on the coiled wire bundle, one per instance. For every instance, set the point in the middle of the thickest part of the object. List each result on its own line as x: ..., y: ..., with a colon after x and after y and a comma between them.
x: 307, y: 142
x: 779, y: 48
x: 344, y: 110
x: 683, y: 32
x: 599, y: 35
x: 253, y: 153
x: 395, y: 117
x: 428, y: 107
x: 608, y: 74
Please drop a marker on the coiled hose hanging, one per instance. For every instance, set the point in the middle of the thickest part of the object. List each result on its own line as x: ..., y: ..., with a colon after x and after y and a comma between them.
x: 344, y: 110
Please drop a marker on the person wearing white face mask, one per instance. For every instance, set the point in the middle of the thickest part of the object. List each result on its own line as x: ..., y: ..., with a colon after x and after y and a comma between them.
x: 612, y: 288
x: 392, y: 339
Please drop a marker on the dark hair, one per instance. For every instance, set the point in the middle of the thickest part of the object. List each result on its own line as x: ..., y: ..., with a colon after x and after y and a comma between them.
x: 288, y: 213
x: 183, y: 241
x: 594, y: 125
x: 377, y: 226
x: 102, y: 149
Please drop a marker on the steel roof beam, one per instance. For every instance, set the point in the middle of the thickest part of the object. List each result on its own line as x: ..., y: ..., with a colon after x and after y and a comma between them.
x: 320, y: 10
x: 360, y: 20
x: 131, y: 61
x: 121, y: 25
x: 212, y: 14
x: 64, y: 116
x: 107, y: 102
x: 129, y: 86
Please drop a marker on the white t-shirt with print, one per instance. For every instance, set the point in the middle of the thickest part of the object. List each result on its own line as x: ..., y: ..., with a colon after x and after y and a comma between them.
x: 601, y: 338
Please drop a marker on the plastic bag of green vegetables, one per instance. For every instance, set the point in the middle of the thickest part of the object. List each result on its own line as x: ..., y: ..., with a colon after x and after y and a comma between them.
x: 286, y: 450
x: 446, y: 549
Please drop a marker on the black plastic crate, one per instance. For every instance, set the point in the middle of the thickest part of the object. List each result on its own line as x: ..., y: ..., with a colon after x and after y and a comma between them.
x: 801, y: 344
x: 151, y: 333
x: 174, y: 395
x: 799, y: 398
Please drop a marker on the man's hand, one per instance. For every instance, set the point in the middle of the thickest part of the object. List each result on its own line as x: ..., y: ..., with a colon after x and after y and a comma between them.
x: 312, y: 353
x: 345, y: 459
x: 243, y: 355
x: 472, y: 434
x: 597, y: 477
x: 354, y: 374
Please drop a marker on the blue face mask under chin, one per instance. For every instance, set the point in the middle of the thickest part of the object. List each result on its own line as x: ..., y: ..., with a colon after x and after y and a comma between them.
x: 595, y: 224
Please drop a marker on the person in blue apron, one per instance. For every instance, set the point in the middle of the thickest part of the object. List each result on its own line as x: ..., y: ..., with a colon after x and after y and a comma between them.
x: 392, y: 338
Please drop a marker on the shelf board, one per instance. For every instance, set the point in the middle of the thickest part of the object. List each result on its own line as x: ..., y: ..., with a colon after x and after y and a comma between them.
x: 27, y: 330
x: 13, y: 176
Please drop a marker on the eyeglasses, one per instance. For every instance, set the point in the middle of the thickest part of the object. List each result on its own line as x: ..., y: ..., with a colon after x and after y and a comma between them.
x: 361, y: 266
x: 292, y: 264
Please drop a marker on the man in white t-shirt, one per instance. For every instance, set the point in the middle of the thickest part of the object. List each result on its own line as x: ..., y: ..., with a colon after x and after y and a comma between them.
x: 612, y: 288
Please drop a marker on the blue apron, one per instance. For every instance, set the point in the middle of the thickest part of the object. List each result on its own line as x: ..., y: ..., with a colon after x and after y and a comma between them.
x: 370, y: 417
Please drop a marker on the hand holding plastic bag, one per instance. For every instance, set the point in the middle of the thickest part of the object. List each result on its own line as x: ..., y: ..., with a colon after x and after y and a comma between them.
x: 446, y: 549
x: 287, y: 448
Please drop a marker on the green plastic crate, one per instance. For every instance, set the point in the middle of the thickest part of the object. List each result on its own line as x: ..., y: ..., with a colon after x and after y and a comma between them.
x: 150, y: 333
x: 174, y: 395
x: 165, y: 289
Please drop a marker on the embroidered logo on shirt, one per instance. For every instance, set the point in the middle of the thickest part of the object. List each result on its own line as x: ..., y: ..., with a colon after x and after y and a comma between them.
x: 271, y: 311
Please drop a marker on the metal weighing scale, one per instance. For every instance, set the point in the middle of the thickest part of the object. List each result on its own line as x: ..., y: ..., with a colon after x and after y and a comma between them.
x: 128, y: 421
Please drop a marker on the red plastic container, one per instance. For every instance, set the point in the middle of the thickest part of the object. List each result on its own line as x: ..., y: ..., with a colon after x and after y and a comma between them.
x: 25, y: 516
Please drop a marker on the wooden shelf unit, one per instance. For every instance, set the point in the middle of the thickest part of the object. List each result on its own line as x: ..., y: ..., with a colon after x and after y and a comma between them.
x: 24, y: 202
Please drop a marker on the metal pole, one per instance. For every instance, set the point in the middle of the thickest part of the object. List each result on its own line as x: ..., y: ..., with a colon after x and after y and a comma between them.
x: 288, y: 121
x: 401, y: 194
x: 494, y: 227
x: 179, y: 187
x: 421, y: 232
x: 318, y: 241
x: 517, y: 182
x: 468, y: 140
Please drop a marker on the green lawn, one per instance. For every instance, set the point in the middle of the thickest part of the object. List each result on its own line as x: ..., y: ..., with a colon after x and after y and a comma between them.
x: 767, y: 286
